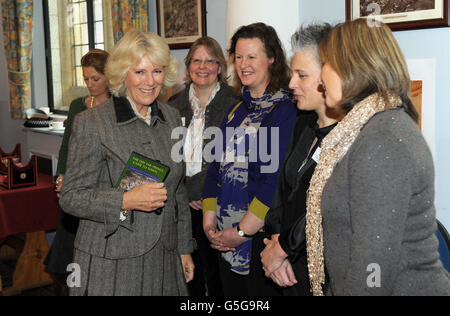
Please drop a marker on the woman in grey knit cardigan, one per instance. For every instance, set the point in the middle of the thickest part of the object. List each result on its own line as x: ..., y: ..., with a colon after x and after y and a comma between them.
x: 370, y: 215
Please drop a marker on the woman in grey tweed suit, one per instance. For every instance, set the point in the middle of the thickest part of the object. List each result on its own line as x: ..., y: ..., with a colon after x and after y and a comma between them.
x: 123, y: 247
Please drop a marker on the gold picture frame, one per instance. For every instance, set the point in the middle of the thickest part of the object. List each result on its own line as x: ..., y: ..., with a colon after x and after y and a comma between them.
x: 181, y: 22
x: 416, y: 98
x: 401, y: 14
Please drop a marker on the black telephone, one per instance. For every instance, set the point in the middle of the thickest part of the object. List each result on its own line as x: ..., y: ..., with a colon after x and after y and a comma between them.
x: 37, y: 118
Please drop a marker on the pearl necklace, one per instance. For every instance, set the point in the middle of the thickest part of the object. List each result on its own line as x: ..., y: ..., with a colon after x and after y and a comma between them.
x: 92, y: 101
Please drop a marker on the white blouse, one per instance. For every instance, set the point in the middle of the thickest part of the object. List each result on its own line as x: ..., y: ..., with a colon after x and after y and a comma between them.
x: 146, y: 118
x: 193, y: 147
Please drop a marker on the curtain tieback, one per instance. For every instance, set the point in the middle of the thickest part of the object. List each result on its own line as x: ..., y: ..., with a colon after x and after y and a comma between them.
x: 19, y: 78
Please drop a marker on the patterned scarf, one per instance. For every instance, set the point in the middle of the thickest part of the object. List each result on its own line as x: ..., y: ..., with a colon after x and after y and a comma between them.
x: 266, y: 101
x: 334, y: 147
x: 234, y: 199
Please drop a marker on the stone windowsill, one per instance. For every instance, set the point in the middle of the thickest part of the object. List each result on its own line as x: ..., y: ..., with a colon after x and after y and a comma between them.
x: 49, y: 131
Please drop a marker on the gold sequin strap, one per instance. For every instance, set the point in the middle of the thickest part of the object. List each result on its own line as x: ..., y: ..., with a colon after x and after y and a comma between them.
x: 334, y: 147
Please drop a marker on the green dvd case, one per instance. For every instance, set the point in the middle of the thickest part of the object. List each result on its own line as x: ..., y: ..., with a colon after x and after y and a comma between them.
x: 139, y: 170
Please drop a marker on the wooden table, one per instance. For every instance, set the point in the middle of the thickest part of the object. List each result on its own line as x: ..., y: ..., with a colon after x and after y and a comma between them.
x: 28, y: 212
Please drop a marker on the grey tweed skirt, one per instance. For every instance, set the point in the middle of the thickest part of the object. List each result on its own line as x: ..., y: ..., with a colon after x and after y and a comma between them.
x: 157, y: 273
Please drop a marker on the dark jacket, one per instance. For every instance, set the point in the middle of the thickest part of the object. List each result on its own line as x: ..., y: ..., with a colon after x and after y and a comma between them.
x: 76, y: 107
x: 286, y: 197
x: 287, y: 213
x: 215, y: 112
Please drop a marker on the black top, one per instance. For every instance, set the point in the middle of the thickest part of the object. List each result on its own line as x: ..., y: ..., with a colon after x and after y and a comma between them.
x: 300, y: 143
x: 287, y: 214
x: 292, y: 237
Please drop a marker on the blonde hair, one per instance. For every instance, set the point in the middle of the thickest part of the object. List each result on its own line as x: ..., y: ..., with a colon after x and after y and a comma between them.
x: 130, y: 50
x: 368, y: 60
x: 214, y: 49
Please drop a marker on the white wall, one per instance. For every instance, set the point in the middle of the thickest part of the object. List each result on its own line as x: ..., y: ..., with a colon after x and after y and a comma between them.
x: 416, y: 44
x: 330, y: 11
x: 435, y: 44
x: 285, y: 21
x: 308, y: 11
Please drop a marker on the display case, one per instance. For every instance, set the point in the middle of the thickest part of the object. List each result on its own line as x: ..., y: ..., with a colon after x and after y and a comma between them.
x: 15, y: 155
x: 19, y: 175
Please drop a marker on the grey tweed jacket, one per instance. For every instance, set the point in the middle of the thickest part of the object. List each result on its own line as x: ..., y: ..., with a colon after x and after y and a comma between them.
x: 101, y: 143
x: 379, y: 219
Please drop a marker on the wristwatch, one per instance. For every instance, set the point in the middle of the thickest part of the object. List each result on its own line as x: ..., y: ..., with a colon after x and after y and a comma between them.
x: 242, y: 233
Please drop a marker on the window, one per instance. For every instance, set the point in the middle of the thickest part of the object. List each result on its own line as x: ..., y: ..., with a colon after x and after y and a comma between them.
x: 73, y: 27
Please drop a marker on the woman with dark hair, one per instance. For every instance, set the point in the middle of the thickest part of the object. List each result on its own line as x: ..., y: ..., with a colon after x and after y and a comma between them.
x: 278, y: 69
x: 370, y: 208
x: 202, y: 105
x: 61, y: 251
x: 240, y: 187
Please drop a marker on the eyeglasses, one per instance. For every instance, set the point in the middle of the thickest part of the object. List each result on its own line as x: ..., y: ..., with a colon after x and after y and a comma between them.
x: 207, y: 62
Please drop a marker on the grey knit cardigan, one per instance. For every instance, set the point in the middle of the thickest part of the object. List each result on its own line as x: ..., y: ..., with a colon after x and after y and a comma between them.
x: 379, y: 216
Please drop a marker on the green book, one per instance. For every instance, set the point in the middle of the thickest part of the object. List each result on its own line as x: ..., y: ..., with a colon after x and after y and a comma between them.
x: 140, y: 170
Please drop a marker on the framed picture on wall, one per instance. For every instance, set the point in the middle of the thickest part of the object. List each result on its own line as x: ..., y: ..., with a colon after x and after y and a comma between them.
x: 423, y: 96
x: 416, y: 98
x: 401, y: 14
x: 181, y: 22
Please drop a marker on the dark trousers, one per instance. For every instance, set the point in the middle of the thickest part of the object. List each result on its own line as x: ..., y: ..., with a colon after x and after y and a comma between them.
x: 61, y: 252
x: 254, y: 284
x: 206, y: 277
x: 302, y: 288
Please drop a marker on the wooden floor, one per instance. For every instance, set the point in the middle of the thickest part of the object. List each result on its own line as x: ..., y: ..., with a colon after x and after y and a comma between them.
x: 10, y: 250
x: 6, y: 272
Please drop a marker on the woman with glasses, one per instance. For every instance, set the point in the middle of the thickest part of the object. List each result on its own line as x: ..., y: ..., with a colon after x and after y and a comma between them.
x: 203, y: 104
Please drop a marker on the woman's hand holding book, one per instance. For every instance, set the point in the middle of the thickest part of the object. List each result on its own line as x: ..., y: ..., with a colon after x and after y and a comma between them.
x: 147, y: 197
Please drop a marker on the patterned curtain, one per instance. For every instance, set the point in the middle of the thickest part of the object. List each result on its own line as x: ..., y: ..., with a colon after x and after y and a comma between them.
x: 17, y: 18
x: 129, y: 14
